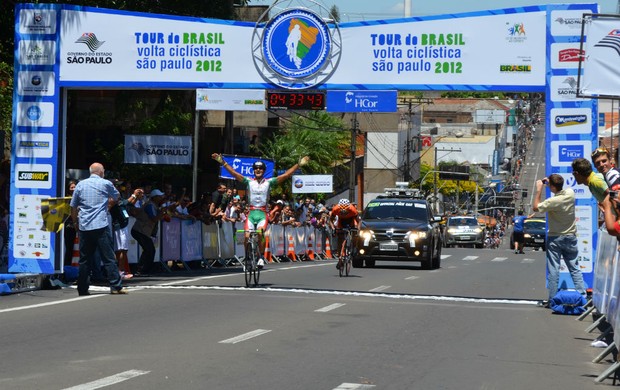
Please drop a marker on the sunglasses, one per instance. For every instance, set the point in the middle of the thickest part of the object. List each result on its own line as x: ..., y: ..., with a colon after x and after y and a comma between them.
x: 598, y: 151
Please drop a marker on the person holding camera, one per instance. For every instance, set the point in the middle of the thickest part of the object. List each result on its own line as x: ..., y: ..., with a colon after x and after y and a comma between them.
x: 561, y: 232
x: 147, y: 220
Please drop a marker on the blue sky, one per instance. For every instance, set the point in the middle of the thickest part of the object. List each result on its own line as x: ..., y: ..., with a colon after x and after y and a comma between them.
x: 355, y: 10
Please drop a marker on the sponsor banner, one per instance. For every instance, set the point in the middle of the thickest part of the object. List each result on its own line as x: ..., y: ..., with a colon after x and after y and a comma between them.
x: 37, y: 21
x: 564, y: 152
x: 362, y: 101
x: 158, y: 149
x: 567, y: 22
x: 426, y: 54
x: 34, y: 145
x: 586, y: 227
x: 564, y: 89
x: 33, y: 114
x: 230, y: 99
x: 571, y: 121
x: 31, y: 245
x: 31, y: 83
x: 581, y: 190
x: 32, y: 52
x: 33, y: 176
x: 603, y: 48
x: 243, y: 165
x: 312, y: 184
x: 566, y: 55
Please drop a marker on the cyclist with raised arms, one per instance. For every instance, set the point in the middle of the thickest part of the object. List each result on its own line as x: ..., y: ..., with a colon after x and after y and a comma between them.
x: 343, y: 215
x: 258, y: 189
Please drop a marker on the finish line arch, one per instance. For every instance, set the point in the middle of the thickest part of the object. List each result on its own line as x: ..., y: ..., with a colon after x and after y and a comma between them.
x: 60, y: 47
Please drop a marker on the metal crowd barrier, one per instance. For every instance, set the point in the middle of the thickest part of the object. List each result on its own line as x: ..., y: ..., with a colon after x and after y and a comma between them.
x: 604, y: 303
x: 182, y: 240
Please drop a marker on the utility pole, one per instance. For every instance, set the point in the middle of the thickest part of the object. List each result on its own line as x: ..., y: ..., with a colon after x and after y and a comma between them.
x: 352, y: 172
x: 413, y: 134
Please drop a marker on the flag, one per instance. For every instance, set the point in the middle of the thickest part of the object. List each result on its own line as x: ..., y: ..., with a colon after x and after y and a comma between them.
x: 55, y: 212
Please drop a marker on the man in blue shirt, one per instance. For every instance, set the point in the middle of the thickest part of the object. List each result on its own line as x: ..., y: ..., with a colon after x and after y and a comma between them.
x: 89, y: 212
x: 517, y: 231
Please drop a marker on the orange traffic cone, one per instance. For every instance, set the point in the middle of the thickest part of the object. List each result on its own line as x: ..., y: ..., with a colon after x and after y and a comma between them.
x: 328, y: 249
x: 267, y: 250
x: 309, y: 251
x: 291, y: 249
x: 75, y: 257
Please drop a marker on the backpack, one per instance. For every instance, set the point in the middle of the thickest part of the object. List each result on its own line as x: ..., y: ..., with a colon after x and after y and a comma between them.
x: 568, y: 302
x: 120, y: 216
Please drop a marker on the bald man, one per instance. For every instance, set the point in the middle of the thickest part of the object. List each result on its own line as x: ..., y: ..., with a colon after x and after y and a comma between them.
x: 89, y: 212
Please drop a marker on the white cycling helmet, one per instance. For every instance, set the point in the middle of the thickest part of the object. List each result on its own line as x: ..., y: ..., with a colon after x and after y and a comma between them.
x: 344, y: 202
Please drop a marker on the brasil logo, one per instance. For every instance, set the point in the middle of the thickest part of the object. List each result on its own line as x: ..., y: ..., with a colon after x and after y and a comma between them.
x: 296, y: 44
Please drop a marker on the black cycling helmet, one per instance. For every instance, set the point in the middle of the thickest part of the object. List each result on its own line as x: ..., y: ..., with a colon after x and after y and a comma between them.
x: 259, y: 164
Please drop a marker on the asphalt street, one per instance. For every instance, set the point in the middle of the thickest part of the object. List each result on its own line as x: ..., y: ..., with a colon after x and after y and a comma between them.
x: 474, y: 323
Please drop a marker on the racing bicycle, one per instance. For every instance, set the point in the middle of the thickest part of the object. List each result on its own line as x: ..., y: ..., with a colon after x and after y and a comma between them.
x: 347, y: 256
x: 252, y: 254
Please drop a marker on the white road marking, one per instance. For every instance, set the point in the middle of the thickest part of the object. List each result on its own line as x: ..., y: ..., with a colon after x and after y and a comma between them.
x: 469, y: 258
x: 380, y: 288
x: 246, y: 336
x: 445, y: 256
x: 412, y: 278
x: 500, y: 259
x: 353, y: 386
x: 330, y: 307
x: 349, y: 293
x: 331, y: 263
x: 527, y: 261
x: 109, y: 381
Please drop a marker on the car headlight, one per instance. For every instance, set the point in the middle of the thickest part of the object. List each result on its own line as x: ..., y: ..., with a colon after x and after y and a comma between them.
x: 452, y: 230
x: 417, y: 235
x: 527, y: 235
x: 366, y: 234
x: 478, y: 230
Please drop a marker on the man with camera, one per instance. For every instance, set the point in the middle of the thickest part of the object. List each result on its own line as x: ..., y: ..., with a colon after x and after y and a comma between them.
x: 561, y: 233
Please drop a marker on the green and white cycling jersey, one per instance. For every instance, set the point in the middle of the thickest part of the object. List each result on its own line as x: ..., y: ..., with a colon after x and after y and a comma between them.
x: 258, y: 192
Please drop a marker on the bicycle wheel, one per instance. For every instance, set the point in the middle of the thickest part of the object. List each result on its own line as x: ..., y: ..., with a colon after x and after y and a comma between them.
x: 345, y: 258
x: 248, y: 264
x: 256, y: 271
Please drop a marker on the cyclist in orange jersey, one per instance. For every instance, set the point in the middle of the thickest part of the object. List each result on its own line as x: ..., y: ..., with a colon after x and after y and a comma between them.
x: 343, y: 215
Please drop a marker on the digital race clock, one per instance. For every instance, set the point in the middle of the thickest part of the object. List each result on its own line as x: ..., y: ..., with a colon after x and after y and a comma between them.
x: 295, y: 100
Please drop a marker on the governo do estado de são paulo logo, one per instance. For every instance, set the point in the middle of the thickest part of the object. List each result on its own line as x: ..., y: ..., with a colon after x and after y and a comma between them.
x: 296, y: 49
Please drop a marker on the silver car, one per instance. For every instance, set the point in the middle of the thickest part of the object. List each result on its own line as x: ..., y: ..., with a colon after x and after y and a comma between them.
x: 464, y: 230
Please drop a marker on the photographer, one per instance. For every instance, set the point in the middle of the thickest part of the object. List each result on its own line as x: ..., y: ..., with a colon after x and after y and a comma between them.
x: 562, y: 232
x: 147, y: 218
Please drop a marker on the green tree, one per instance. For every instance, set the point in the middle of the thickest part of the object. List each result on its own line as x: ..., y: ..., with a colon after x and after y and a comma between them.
x: 319, y: 135
x: 335, y: 13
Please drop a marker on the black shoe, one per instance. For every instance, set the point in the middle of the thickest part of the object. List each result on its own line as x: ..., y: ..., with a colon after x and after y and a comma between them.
x: 544, y: 304
x: 81, y: 294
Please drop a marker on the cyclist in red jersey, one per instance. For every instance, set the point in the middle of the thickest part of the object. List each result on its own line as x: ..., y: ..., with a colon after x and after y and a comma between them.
x: 343, y: 215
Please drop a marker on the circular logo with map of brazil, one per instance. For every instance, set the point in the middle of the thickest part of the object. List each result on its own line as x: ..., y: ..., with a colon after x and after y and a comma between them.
x: 298, y: 183
x: 298, y: 48
x: 296, y: 43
